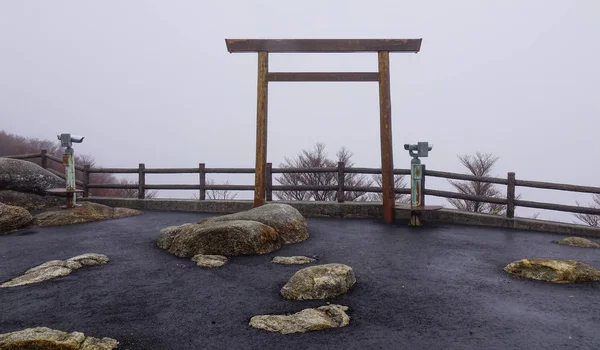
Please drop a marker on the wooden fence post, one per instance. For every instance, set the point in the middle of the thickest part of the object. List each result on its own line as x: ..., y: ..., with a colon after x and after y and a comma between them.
x: 269, y: 182
x: 142, y: 181
x: 202, y: 176
x: 86, y: 180
x: 340, y: 181
x: 510, y: 196
x: 43, y: 159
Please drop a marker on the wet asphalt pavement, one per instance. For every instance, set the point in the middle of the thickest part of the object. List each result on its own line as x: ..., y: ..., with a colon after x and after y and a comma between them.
x: 438, y: 287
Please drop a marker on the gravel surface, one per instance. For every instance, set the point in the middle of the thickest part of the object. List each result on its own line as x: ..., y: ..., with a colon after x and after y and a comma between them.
x: 435, y: 287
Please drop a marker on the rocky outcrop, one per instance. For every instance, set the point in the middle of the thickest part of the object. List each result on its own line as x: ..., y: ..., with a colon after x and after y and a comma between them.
x: 330, y: 316
x: 44, y: 338
x: 228, y: 238
x: 292, y: 260
x: 85, y: 212
x: 55, y: 268
x: 30, y: 201
x: 23, y: 176
x: 13, y: 218
x: 209, y: 260
x: 555, y: 271
x: 319, y: 282
x: 578, y: 242
x: 284, y: 218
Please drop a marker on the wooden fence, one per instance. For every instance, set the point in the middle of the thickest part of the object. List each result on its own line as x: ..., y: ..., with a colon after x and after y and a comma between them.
x: 340, y: 187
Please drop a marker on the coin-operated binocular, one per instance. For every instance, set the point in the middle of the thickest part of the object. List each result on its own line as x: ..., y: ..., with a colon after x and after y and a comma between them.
x: 417, y: 181
x: 67, y: 140
x: 421, y: 149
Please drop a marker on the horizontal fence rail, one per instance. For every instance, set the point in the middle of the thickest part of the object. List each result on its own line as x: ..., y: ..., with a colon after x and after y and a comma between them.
x: 338, y: 173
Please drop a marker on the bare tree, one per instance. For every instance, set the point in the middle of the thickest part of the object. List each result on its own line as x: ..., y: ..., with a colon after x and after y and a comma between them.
x: 317, y: 158
x: 590, y: 219
x: 479, y: 165
x: 399, y: 182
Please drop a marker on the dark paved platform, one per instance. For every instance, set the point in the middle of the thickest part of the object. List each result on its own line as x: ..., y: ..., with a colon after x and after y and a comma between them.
x: 435, y: 287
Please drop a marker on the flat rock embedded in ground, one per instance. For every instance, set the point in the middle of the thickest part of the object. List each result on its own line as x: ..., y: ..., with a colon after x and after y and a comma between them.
x: 319, y: 282
x: 209, y: 260
x: 55, y: 268
x: 292, y: 260
x: 228, y: 238
x: 555, y: 271
x: 44, y: 338
x: 284, y: 218
x: 13, y: 218
x: 578, y: 242
x: 324, y: 317
x: 85, y: 212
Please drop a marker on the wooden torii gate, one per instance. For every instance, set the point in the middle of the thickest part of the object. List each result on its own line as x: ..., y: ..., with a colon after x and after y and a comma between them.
x: 382, y: 46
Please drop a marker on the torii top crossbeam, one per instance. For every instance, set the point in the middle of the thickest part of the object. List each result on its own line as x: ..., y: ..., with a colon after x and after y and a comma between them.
x: 382, y: 46
x: 323, y: 45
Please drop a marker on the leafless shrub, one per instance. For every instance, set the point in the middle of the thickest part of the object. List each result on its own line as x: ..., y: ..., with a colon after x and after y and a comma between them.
x: 217, y: 194
x: 590, y: 219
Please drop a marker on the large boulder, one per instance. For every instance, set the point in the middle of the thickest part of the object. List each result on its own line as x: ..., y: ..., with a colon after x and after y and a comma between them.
x: 44, y: 338
x: 85, y: 212
x: 24, y: 176
x: 319, y: 282
x: 323, y: 317
x: 55, y: 268
x: 13, y: 218
x: 578, y: 242
x: 284, y: 218
x: 555, y: 271
x: 228, y: 238
x: 30, y: 201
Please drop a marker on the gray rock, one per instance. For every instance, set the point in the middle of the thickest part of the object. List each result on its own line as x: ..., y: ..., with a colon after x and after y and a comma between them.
x: 578, y: 242
x: 88, y: 259
x: 330, y: 316
x: 292, y: 260
x: 319, y: 282
x: 37, y: 275
x: 44, y: 338
x: 91, y: 343
x: 13, y: 218
x: 228, y: 238
x: 209, y: 260
x: 554, y: 271
x: 55, y: 268
x: 24, y: 176
x: 284, y: 218
x: 30, y: 201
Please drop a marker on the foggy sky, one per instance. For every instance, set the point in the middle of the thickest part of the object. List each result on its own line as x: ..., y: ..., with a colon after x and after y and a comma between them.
x: 152, y: 82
